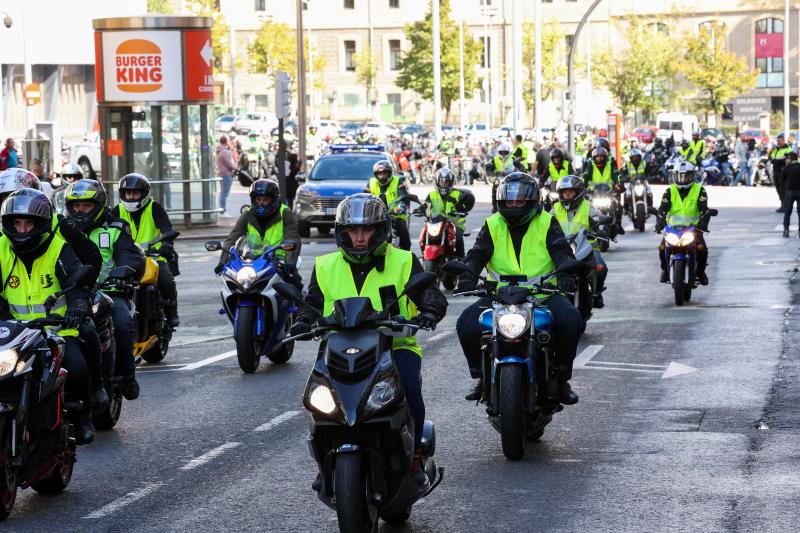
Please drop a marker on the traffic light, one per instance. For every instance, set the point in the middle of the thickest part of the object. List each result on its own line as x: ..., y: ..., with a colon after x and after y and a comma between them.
x: 283, y: 94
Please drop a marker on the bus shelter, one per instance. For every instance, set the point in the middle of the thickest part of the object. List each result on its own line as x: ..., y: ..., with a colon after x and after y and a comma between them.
x: 155, y: 92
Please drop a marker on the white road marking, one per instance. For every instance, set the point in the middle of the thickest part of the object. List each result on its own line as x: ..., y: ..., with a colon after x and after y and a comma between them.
x: 779, y: 227
x: 128, y: 499
x: 586, y: 355
x: 438, y: 336
x: 280, y: 419
x: 584, y: 360
x: 209, y: 455
x: 208, y: 361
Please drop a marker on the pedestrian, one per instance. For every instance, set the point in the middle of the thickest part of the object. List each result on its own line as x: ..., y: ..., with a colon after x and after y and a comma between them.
x: 225, y: 170
x: 8, y: 155
x: 294, y: 168
x: 37, y: 168
x: 777, y: 157
x: 740, y: 151
x: 791, y: 195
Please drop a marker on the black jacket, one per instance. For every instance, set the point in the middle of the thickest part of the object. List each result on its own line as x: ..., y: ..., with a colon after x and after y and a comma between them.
x: 428, y: 300
x: 791, y: 176
x: 290, y: 231
x: 480, y: 254
x: 81, y: 245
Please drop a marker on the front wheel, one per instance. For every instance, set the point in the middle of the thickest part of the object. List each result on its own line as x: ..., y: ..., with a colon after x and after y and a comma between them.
x: 678, y: 282
x: 512, y: 414
x: 354, y: 509
x: 247, y: 347
x: 58, y: 479
x: 282, y: 354
x: 399, y: 518
x: 640, y: 216
x: 8, y: 484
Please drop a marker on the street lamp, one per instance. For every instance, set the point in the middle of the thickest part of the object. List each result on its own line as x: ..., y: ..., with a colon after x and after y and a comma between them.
x: 8, y: 21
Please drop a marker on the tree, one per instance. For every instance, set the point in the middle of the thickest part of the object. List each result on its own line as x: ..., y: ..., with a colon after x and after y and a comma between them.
x: 365, y: 74
x: 416, y: 66
x: 162, y: 7
x: 716, y: 73
x: 554, y: 62
x: 220, y: 41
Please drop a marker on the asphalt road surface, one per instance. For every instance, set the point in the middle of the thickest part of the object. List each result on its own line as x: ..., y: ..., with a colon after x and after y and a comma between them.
x: 687, y: 421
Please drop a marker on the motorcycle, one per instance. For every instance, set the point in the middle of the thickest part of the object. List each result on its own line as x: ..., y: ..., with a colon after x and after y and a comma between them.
x: 260, y: 318
x: 362, y: 431
x: 437, y: 240
x: 681, y: 250
x: 638, y: 197
x: 37, y: 437
x: 603, y: 200
x: 761, y: 174
x: 517, y: 344
x: 582, y: 249
x: 152, y: 332
x: 397, y: 209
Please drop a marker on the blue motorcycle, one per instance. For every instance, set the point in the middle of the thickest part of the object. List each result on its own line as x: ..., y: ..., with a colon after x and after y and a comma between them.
x: 260, y: 317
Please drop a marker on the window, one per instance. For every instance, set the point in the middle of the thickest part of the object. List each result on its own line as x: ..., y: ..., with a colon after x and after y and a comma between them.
x: 394, y: 3
x: 350, y: 55
x: 659, y: 27
x: 393, y: 99
x: 769, y: 53
x: 486, y: 2
x: 261, y: 5
x: 351, y: 99
x: 568, y: 40
x: 349, y: 4
x: 769, y: 26
x: 394, y: 54
x: 486, y: 52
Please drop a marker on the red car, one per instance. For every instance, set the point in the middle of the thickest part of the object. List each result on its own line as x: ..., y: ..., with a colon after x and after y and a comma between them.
x: 645, y: 134
x: 760, y: 136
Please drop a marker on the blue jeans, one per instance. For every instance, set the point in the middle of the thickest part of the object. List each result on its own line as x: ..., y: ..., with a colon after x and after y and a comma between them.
x: 409, y: 366
x: 789, y: 199
x: 224, y: 191
x: 743, y: 174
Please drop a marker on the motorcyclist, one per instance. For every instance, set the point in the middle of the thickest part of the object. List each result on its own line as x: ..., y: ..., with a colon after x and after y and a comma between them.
x: 685, y: 151
x: 71, y: 173
x: 147, y: 220
x: 557, y: 169
x: 34, y: 264
x: 86, y: 207
x: 722, y: 153
x: 520, y: 239
x: 683, y: 204
x: 635, y: 167
x: 392, y: 190
x: 573, y: 213
x: 444, y: 199
x: 502, y: 162
x: 366, y: 264
x: 520, y: 154
x: 698, y: 147
x: 270, y: 222
x: 602, y: 170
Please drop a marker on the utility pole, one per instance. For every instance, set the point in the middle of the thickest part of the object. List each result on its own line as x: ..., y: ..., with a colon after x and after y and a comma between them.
x: 537, y: 76
x: 301, y: 89
x: 437, y: 74
x: 461, y: 72
x: 233, y: 69
x: 571, y: 78
x: 516, y: 54
x: 786, y: 115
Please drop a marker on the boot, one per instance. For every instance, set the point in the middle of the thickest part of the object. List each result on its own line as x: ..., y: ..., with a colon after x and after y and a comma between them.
x: 566, y: 394
x: 171, y: 314
x: 786, y: 232
x: 664, y: 276
x: 417, y: 468
x: 598, y: 301
x: 476, y: 392
x: 84, y: 429
x: 130, y: 388
x: 316, y: 485
x: 99, y: 400
x: 701, y: 277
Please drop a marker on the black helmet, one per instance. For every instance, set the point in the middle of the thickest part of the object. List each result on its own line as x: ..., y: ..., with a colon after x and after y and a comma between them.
x: 362, y: 209
x: 683, y: 174
x: 71, y: 173
x: 382, y: 170
x: 134, y: 182
x: 599, y: 155
x: 573, y: 183
x: 85, y: 190
x: 444, y: 180
x: 518, y: 186
x: 15, y: 179
x: 684, y: 142
x: 557, y: 153
x: 32, y: 205
x: 603, y: 143
x: 265, y: 188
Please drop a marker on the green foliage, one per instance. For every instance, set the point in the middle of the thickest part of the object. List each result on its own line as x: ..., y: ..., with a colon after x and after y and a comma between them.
x: 220, y: 33
x: 275, y: 49
x: 366, y: 70
x: 162, y: 7
x: 416, y: 66
x: 718, y: 75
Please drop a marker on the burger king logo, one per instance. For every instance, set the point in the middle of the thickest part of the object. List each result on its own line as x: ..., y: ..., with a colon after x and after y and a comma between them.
x: 139, y: 66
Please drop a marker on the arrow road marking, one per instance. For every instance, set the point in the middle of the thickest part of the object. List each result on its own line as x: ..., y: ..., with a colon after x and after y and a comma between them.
x: 584, y: 360
x: 207, y: 53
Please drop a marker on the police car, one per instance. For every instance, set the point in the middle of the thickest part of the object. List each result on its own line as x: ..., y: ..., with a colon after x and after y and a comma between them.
x: 344, y: 170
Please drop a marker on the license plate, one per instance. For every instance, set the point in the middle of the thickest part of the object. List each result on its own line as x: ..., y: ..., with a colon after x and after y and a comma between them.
x: 330, y: 210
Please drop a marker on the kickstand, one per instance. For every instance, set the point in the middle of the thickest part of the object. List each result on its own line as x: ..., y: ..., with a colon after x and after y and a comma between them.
x: 436, y: 482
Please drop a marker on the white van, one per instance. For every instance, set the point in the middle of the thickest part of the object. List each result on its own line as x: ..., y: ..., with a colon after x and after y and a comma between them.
x: 676, y: 124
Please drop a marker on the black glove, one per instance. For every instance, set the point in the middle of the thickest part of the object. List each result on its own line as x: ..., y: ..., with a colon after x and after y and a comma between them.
x: 300, y: 327
x: 566, y: 284
x: 76, y: 313
x: 288, y: 273
x: 425, y: 321
x: 218, y: 269
x: 167, y: 250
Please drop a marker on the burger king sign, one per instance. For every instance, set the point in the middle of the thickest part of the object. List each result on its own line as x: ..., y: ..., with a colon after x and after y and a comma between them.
x: 142, y: 65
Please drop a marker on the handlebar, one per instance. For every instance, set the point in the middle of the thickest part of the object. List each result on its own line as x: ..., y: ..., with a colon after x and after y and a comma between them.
x: 395, y: 324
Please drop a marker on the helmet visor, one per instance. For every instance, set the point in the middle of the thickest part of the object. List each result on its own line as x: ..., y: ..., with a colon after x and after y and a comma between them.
x: 517, y: 190
x: 361, y: 212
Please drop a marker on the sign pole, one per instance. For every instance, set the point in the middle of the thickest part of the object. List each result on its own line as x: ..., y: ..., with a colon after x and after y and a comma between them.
x: 281, y: 161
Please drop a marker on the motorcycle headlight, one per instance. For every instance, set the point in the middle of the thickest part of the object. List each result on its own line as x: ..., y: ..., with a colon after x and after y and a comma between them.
x: 512, y: 321
x: 672, y: 239
x: 686, y: 239
x: 246, y: 276
x: 322, y: 400
x: 638, y: 189
x: 382, y: 395
x: 435, y: 229
x: 602, y: 203
x: 8, y: 360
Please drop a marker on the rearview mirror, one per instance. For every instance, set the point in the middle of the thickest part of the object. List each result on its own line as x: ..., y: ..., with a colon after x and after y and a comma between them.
x: 455, y: 267
x: 288, y: 246
x: 288, y: 291
x: 81, y: 277
x: 604, y: 219
x: 712, y: 212
x: 420, y: 281
x: 213, y: 246
x: 652, y: 210
x: 573, y: 266
x: 122, y: 272
x: 171, y: 235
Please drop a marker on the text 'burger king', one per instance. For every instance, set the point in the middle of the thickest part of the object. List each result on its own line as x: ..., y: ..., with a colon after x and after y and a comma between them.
x: 139, y: 67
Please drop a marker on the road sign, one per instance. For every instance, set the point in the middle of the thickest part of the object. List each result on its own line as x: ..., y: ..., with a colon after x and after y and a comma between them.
x: 32, y: 94
x: 283, y: 95
x: 584, y: 360
x: 199, y: 65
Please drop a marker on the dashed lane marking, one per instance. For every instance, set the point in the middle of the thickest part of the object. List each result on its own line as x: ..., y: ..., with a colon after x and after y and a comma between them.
x: 128, y: 499
x: 278, y: 420
x: 210, y: 455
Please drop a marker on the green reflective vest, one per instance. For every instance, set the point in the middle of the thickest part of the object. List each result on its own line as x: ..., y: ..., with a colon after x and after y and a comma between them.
x: 697, y: 147
x: 580, y: 218
x: 390, y: 194
x: 441, y: 207
x: 26, y: 292
x: 684, y: 212
x: 534, y: 258
x: 105, y: 238
x: 500, y: 165
x: 558, y: 173
x: 780, y: 153
x: 685, y: 153
x: 273, y: 235
x: 335, y: 280
x: 147, y: 230
x: 634, y: 171
x: 601, y: 177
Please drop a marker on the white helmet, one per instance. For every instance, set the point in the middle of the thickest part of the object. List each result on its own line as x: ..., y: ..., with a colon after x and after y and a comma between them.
x: 683, y: 174
x: 504, y: 147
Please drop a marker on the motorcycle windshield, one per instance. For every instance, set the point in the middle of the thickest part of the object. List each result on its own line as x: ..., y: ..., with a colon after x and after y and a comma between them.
x: 352, y: 312
x: 602, y: 188
x: 250, y: 247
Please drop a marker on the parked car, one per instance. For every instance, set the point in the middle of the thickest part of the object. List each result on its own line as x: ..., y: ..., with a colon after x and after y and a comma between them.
x: 381, y: 130
x: 86, y: 154
x: 224, y: 123
x: 350, y: 128
x: 335, y: 176
x: 705, y: 133
x: 328, y: 128
x: 645, y: 134
x: 261, y: 123
x: 415, y: 129
x: 760, y: 136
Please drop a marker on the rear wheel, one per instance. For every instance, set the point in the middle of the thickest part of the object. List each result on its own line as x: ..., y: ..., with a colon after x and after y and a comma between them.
x: 678, y: 283
x: 8, y: 485
x: 158, y: 352
x: 282, y: 354
x: 354, y: 509
x: 247, y: 347
x: 512, y: 415
x: 58, y: 479
x: 640, y: 216
x: 110, y: 416
x: 304, y: 229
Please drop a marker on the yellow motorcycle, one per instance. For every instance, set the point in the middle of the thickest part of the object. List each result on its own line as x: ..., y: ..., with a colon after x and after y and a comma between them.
x: 152, y: 332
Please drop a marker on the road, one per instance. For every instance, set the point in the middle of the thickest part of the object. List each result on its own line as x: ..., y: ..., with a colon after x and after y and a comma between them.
x: 708, y: 445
